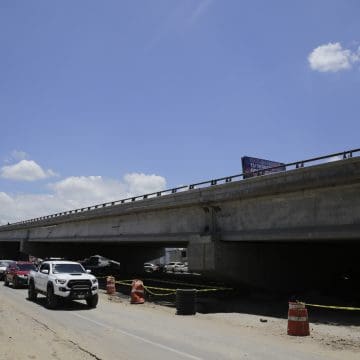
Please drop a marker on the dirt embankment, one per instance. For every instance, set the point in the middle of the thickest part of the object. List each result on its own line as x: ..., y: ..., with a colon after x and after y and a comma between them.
x: 24, y: 337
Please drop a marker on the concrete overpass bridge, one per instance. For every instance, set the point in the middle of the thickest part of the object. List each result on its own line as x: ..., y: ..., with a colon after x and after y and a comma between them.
x: 290, y: 228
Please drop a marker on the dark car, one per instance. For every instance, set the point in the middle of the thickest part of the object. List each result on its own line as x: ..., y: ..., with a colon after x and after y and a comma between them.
x: 17, y: 273
x: 100, y: 265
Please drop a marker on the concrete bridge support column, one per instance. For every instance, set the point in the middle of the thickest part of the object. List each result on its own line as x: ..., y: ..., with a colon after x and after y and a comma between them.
x: 201, y: 256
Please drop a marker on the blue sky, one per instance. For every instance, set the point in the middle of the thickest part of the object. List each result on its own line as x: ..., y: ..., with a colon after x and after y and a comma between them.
x: 100, y: 100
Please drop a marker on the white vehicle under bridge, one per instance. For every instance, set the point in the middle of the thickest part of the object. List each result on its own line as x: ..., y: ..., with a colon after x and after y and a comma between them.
x: 63, y: 280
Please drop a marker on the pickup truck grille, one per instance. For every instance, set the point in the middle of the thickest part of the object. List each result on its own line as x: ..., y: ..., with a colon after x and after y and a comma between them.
x: 79, y: 284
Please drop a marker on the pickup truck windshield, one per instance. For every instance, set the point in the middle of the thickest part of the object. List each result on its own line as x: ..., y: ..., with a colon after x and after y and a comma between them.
x: 68, y: 268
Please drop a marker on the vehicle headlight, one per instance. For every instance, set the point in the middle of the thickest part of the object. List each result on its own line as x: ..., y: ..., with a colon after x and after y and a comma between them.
x: 60, y: 281
x: 94, y: 281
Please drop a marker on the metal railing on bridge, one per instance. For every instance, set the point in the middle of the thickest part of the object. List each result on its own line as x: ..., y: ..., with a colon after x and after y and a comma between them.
x: 283, y: 167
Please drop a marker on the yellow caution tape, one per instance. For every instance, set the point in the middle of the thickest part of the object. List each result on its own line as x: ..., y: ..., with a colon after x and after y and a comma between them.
x: 206, y: 287
x: 125, y: 282
x: 147, y: 288
x: 169, y: 291
x: 214, y: 289
x: 158, y: 288
x: 334, y: 307
x: 174, y: 290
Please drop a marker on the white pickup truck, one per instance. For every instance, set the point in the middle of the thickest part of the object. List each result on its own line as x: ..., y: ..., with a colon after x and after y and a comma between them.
x: 63, y: 279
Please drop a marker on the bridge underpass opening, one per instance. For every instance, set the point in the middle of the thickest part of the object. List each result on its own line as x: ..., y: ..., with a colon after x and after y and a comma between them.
x: 131, y: 257
x: 327, y: 267
x: 10, y: 250
x: 330, y: 267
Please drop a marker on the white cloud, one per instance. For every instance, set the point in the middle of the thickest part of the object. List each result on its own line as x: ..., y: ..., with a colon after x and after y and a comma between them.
x: 5, y: 199
x: 144, y: 184
x: 82, y: 191
x: 76, y: 192
x: 332, y: 58
x: 26, y: 206
x: 27, y: 170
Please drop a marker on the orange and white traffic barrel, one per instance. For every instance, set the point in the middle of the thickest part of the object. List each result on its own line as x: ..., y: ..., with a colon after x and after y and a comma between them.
x: 298, y: 321
x: 137, y: 292
x: 110, y: 285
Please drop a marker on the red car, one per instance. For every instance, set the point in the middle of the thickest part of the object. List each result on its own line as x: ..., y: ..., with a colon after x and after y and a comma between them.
x: 17, y: 273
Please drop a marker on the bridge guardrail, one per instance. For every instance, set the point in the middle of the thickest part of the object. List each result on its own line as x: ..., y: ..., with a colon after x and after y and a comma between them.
x: 297, y: 164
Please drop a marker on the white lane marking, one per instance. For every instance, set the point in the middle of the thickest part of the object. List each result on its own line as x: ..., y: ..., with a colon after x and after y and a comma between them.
x: 141, y: 338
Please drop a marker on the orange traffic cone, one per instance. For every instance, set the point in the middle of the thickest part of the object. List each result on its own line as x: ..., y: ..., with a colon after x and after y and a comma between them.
x: 298, y: 322
x: 110, y: 285
x: 137, y: 292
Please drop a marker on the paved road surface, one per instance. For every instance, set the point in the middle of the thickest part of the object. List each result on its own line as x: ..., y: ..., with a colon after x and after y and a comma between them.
x: 118, y: 330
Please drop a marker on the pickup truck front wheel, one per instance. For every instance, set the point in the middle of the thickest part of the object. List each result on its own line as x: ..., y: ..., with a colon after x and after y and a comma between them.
x: 92, y: 301
x: 51, y: 298
x: 32, y: 294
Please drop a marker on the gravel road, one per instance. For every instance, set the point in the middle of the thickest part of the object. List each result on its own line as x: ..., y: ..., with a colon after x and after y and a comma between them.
x: 118, y: 330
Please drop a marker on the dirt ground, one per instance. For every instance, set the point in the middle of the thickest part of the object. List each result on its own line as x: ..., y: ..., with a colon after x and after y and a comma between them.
x: 25, y: 337
x: 343, y: 340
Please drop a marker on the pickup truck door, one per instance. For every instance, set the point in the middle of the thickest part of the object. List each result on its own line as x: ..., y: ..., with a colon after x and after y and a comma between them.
x: 41, y: 277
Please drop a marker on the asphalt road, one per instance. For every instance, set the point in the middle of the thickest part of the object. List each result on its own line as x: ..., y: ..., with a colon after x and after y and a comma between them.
x: 118, y: 330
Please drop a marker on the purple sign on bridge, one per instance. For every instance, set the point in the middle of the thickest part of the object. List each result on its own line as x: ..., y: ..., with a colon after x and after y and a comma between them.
x: 250, y: 165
